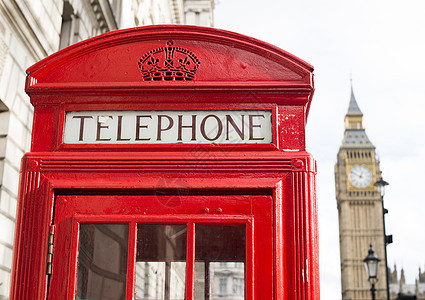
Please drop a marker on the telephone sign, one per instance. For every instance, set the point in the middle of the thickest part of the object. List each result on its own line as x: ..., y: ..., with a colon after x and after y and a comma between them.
x: 168, y: 162
x: 226, y: 127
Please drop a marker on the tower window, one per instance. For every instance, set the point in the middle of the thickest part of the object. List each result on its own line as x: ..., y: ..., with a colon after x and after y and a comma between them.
x: 223, y: 285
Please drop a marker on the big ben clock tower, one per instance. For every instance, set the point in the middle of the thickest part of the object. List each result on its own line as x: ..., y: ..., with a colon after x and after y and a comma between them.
x: 360, y: 208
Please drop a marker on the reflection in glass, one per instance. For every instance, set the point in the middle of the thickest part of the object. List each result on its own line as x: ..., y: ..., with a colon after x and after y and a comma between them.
x: 219, y: 262
x: 199, y: 283
x: 160, y: 262
x: 102, y: 262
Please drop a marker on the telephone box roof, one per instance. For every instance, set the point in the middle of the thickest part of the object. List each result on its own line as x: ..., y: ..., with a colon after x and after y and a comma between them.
x: 173, y: 58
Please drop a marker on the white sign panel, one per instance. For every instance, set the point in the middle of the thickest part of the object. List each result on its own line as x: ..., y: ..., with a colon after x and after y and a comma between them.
x: 155, y: 127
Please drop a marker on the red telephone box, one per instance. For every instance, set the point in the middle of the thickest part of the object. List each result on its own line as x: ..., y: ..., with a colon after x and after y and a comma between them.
x: 168, y: 162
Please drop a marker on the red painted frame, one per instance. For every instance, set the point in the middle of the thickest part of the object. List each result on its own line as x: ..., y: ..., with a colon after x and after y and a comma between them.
x: 94, y: 212
x: 102, y: 74
x: 287, y: 177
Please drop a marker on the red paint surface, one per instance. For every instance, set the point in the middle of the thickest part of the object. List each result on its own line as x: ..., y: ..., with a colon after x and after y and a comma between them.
x: 266, y: 186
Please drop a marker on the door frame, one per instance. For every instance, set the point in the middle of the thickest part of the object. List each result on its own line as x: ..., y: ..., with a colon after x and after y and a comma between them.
x: 243, y: 209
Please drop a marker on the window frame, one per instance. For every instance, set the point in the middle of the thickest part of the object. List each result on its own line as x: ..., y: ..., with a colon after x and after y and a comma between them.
x: 237, y: 216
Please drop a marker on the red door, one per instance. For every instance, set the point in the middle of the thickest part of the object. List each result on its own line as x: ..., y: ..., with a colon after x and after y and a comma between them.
x: 164, y: 247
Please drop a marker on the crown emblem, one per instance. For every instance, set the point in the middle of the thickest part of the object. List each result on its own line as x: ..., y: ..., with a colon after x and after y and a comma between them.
x: 169, y: 63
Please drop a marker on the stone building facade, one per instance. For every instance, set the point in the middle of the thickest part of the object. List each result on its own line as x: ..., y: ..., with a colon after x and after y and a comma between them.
x: 33, y: 29
x: 399, y: 288
x: 360, y: 208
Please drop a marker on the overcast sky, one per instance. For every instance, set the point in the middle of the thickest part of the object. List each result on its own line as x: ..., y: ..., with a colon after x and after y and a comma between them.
x: 381, y: 45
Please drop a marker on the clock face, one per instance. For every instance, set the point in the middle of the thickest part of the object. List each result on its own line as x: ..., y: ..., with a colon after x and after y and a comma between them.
x: 360, y: 176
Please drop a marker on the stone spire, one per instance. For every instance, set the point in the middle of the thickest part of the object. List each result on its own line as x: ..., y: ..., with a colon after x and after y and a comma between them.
x: 421, y: 276
x: 393, y: 276
x: 353, y: 107
x: 355, y: 134
x: 402, y: 277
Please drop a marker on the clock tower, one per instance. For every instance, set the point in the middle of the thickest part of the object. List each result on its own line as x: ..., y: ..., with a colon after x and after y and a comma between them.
x: 360, y: 208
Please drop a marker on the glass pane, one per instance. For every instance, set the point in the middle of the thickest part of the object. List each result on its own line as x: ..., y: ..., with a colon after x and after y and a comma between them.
x: 220, y: 262
x: 199, y: 280
x: 102, y: 262
x: 160, y: 262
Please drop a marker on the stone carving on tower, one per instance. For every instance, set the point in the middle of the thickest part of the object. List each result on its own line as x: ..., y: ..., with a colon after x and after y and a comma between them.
x: 360, y: 209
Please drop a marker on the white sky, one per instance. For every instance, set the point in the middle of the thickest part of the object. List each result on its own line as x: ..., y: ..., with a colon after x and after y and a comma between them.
x: 381, y: 44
